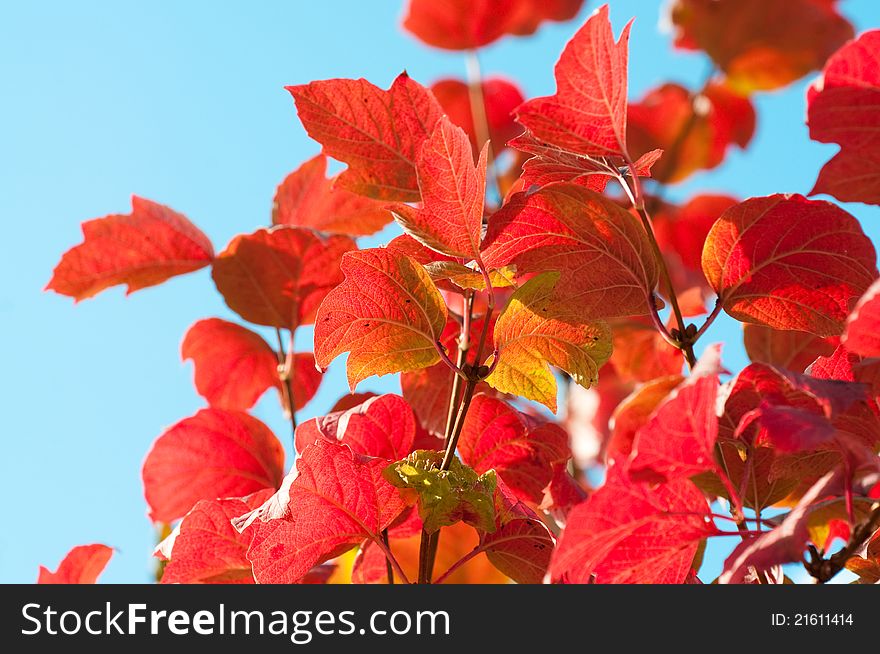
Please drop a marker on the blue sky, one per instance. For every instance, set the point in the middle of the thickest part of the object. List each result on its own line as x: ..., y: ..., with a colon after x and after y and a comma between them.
x: 183, y: 103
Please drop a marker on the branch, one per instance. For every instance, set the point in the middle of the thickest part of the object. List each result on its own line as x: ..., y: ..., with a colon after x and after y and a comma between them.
x: 822, y: 569
x: 285, y: 371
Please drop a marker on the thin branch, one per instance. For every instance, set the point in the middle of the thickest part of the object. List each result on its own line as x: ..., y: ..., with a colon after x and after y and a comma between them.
x: 445, y: 359
x: 823, y: 570
x: 285, y: 373
x: 389, y: 569
x: 392, y: 560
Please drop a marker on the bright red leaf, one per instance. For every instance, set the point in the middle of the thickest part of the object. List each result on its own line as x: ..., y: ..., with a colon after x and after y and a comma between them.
x: 521, y: 450
x: 382, y: 426
x: 142, y: 248
x: 628, y: 532
x: 862, y: 334
x: 469, y: 24
x: 587, y: 115
x: 306, y: 198
x: 278, y: 277
x: 387, y: 313
x: 789, y: 263
x: 761, y: 44
x: 235, y: 366
x: 608, y: 269
x: 332, y: 501
x: 82, y: 565
x: 633, y: 412
x: 787, y: 349
x: 450, y: 218
x: 205, y: 548
x: 215, y: 453
x: 377, y: 133
x: 500, y: 97
x: 842, y: 109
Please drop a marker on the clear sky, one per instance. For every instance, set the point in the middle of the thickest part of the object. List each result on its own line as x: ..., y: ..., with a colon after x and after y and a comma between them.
x: 183, y: 103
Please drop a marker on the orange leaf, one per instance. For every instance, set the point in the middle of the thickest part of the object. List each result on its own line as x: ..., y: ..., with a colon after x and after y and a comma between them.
x: 140, y: 249
x: 82, y: 565
x: 306, y: 198
x: 387, y: 313
x: 278, y: 276
x: 377, y: 133
x: 537, y: 329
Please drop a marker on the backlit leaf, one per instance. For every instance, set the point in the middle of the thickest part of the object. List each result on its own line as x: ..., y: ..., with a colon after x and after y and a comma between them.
x: 607, y: 265
x: 633, y: 412
x: 536, y: 330
x: 215, y: 453
x: 377, y: 133
x: 587, y: 115
x: 235, y: 366
x: 140, y: 249
x: 522, y: 451
x: 306, y: 198
x: 786, y: 349
x: 278, y: 277
x: 387, y: 313
x: 82, y: 565
x: 333, y: 500
x: 789, y: 263
x: 862, y: 334
x: 450, y: 218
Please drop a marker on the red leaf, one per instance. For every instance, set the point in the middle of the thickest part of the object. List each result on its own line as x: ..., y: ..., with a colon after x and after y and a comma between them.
x: 215, y: 453
x: 82, y: 565
x: 678, y: 441
x: 633, y: 412
x: 383, y: 426
x: 789, y: 263
x: 521, y: 450
x: 862, y: 334
x: 786, y: 349
x: 551, y: 164
x: 500, y: 97
x: 694, y: 130
x: 641, y: 354
x: 842, y: 109
x: 332, y: 501
x: 278, y: 277
x: 562, y: 494
x: 306, y: 198
x: 205, y: 547
x: 450, y: 218
x: 627, y: 532
x: 602, y: 251
x: 761, y: 44
x: 783, y: 544
x: 234, y: 366
x: 377, y: 133
x: 469, y: 24
x: 143, y: 248
x: 588, y: 113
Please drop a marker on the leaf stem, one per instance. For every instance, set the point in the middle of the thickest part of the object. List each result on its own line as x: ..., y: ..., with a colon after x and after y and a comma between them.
x: 823, y: 570
x: 389, y: 569
x: 389, y: 556
x: 285, y: 372
x: 478, y: 113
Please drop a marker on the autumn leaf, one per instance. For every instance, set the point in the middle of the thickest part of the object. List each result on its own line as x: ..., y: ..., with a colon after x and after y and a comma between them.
x: 205, y: 548
x: 377, y: 133
x: 215, y: 453
x: 640, y: 353
x: 633, y: 413
x: 235, y: 366
x: 789, y: 263
x: 143, y: 248
x: 495, y: 436
x: 307, y: 198
x: 450, y: 218
x: 587, y: 115
x: 278, y: 277
x: 333, y: 500
x: 862, y: 334
x: 694, y: 130
x: 761, y: 45
x: 842, y: 109
x: 469, y: 24
x: 446, y: 496
x: 607, y: 265
x: 536, y: 330
x: 383, y: 426
x: 82, y: 565
x: 628, y: 532
x: 784, y: 348
x: 500, y: 97
x: 387, y: 313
